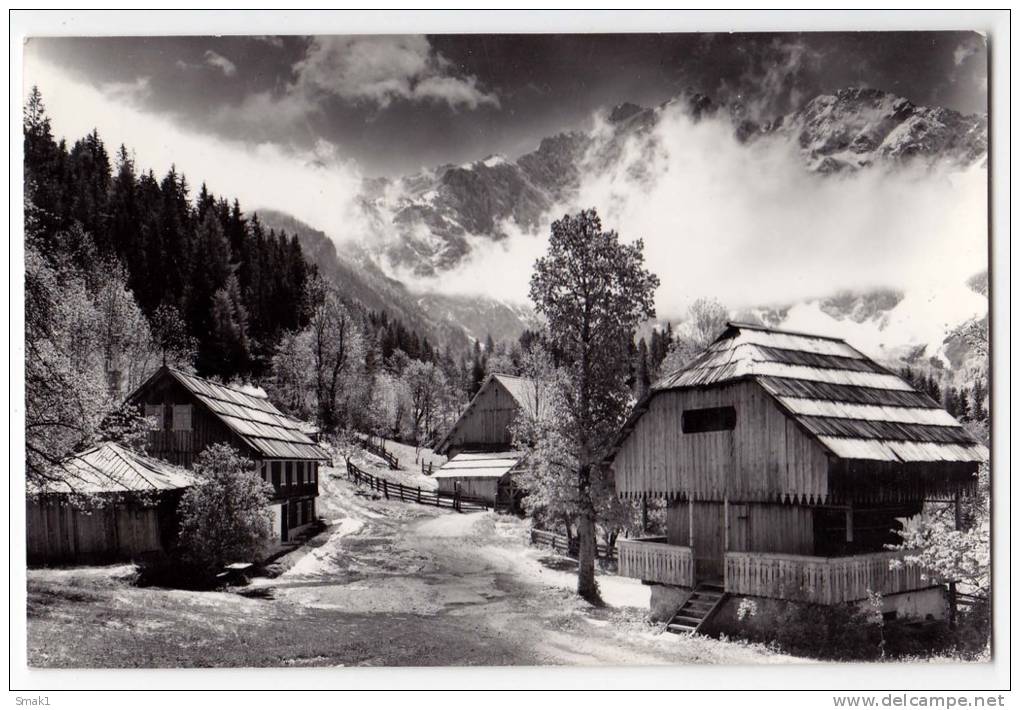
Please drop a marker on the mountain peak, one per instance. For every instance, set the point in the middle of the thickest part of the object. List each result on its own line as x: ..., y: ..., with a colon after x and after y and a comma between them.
x: 624, y: 111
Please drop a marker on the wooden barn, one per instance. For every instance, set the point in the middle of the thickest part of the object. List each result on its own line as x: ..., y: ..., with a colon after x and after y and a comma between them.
x: 105, y: 504
x: 786, y: 461
x: 480, y: 443
x: 192, y: 413
x: 484, y: 476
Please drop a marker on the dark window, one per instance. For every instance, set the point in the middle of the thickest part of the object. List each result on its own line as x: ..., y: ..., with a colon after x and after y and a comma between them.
x: 695, y: 421
x: 276, y: 474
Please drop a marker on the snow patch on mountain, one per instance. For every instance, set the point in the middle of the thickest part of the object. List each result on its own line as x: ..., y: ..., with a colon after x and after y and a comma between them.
x: 918, y: 324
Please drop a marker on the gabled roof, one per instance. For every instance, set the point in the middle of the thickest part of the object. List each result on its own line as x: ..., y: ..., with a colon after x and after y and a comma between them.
x: 521, y: 389
x: 254, y: 419
x: 850, y: 404
x: 485, y: 465
x: 111, y: 468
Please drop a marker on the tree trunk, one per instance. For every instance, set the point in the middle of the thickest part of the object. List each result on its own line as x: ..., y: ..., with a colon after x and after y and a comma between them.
x: 587, y: 588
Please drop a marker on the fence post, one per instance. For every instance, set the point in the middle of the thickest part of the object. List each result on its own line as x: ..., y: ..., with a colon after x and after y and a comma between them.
x: 456, y: 500
x: 386, y: 489
x: 419, y: 494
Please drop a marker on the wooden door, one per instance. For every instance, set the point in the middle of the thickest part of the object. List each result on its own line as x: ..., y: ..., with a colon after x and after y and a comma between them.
x: 709, y: 533
x: 284, y: 522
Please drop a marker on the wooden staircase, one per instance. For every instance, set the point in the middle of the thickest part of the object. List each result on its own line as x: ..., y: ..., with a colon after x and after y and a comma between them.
x: 699, y: 608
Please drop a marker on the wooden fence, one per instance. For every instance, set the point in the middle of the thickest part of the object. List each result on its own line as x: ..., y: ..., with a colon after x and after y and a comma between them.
x: 379, y: 450
x: 559, y: 543
x: 823, y: 580
x: 392, y: 490
x: 652, y: 560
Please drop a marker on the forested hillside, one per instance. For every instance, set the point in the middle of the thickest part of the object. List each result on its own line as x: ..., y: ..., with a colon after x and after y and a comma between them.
x: 125, y: 271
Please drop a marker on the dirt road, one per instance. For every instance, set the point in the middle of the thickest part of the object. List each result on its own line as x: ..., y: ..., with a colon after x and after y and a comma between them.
x: 477, y: 570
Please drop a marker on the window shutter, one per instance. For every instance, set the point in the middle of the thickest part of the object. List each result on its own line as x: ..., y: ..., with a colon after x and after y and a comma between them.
x: 182, y: 417
x: 155, y: 411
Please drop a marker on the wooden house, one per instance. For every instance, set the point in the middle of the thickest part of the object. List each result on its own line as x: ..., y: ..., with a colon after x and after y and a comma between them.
x: 192, y: 413
x: 786, y: 461
x: 104, y: 504
x: 480, y: 442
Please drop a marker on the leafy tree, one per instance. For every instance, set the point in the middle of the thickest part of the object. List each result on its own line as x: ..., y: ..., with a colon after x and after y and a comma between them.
x: 170, y: 337
x: 226, y: 518
x: 292, y: 385
x: 706, y: 319
x: 593, y: 291
x: 389, y: 405
x: 338, y: 354
x: 129, y: 356
x: 127, y: 426
x: 425, y: 385
x: 65, y: 385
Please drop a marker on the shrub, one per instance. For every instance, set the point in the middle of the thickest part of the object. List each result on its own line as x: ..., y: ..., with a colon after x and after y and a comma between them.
x: 226, y: 517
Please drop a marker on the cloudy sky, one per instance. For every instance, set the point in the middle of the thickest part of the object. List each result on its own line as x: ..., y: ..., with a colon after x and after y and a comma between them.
x: 298, y: 123
x: 393, y: 104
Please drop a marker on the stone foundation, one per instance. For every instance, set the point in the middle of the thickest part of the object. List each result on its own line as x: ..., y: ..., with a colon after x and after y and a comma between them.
x: 922, y: 604
x: 926, y: 604
x: 666, y: 600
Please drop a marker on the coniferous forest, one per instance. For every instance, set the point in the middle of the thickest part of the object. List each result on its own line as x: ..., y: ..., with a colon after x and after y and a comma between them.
x: 127, y: 270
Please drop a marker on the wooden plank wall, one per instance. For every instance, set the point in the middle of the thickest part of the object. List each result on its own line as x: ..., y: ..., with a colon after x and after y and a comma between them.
x: 487, y: 422
x: 678, y: 523
x: 61, y: 533
x: 183, y: 447
x: 483, y: 488
x: 753, y: 527
x: 708, y: 540
x: 763, y: 458
x: 765, y: 527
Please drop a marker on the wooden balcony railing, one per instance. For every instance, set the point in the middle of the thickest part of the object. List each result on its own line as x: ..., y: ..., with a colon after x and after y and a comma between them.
x: 822, y: 580
x: 281, y: 492
x: 654, y: 561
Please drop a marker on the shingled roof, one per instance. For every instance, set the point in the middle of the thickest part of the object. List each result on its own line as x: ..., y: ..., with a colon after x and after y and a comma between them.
x: 111, y: 468
x: 850, y: 404
x: 254, y: 419
x: 480, y: 465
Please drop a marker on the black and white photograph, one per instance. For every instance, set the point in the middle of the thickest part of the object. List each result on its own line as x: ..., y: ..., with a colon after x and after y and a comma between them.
x: 659, y: 348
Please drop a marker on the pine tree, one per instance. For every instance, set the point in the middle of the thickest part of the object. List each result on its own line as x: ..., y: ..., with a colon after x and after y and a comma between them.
x: 229, y: 351
x: 211, y: 259
x: 980, y: 412
x: 963, y: 402
x: 950, y: 402
x: 477, y: 370
x: 642, y: 376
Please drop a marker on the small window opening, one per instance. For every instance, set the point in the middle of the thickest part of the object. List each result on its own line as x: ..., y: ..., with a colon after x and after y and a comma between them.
x: 695, y: 421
